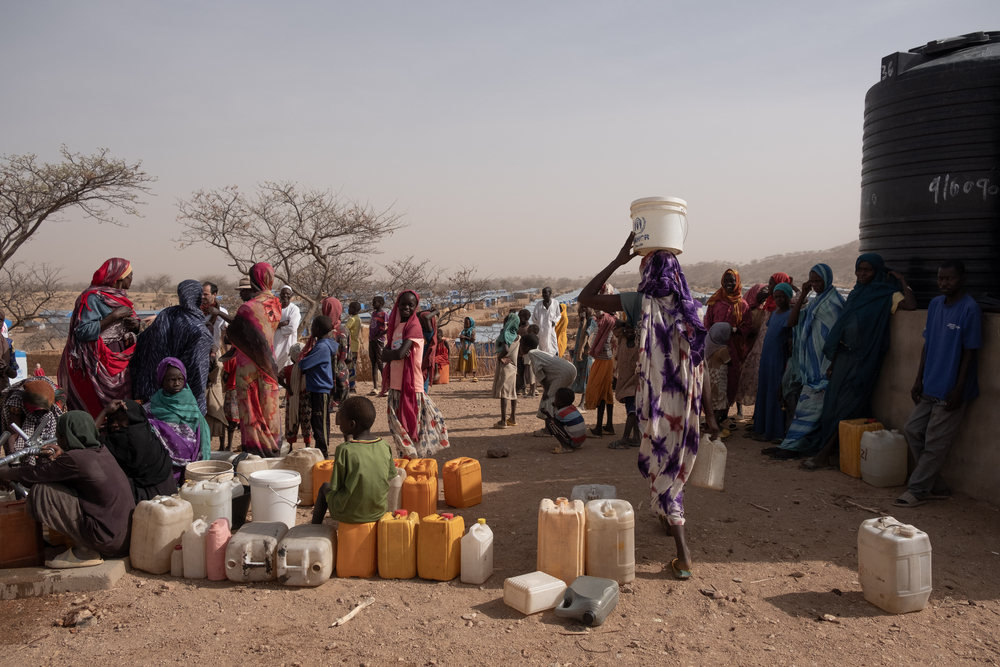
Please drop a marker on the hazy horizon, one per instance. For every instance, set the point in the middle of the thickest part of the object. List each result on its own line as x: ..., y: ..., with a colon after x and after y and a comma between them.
x: 511, y: 137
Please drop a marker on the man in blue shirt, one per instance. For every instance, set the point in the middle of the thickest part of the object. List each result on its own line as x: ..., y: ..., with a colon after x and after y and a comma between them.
x: 945, y: 383
x: 317, y: 365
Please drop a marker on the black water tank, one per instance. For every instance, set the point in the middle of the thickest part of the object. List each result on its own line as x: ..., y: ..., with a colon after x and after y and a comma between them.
x: 930, y: 171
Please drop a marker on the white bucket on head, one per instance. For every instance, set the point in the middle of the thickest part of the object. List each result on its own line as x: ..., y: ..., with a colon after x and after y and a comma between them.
x: 211, y: 471
x: 274, y: 495
x: 659, y: 223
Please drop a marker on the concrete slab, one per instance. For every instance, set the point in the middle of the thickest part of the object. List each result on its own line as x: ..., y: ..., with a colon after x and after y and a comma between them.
x: 26, y: 582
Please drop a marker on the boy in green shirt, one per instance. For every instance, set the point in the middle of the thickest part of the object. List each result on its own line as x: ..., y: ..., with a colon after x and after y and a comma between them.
x: 363, y: 467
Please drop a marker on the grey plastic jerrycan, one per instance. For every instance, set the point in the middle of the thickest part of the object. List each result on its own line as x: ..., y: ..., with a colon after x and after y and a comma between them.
x: 589, y: 599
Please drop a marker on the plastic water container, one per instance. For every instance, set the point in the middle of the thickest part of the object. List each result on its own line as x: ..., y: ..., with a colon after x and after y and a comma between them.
x: 420, y: 488
x: 274, y: 495
x: 302, y: 461
x: 395, y: 498
x: 306, y: 555
x: 589, y: 599
x: 397, y: 544
x: 177, y: 562
x: 157, y: 527
x: 883, y: 458
x: 894, y: 565
x: 216, y: 471
x: 193, y: 543
x: 439, y: 547
x: 216, y: 541
x: 477, y: 553
x: 850, y: 431
x: 533, y: 592
x: 401, y: 463
x: 252, y: 553
x: 357, y: 549
x: 276, y: 463
x: 322, y: 473
x: 611, y: 540
x: 587, y: 492
x: 210, y: 500
x: 709, y: 471
x: 463, y: 482
x: 659, y: 223
x: 561, y: 535
x: 252, y: 463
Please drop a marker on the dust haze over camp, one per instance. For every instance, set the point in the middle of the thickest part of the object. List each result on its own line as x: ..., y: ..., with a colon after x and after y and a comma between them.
x: 499, y: 134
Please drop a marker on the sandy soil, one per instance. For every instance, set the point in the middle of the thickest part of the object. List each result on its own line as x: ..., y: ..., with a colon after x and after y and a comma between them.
x: 780, y: 568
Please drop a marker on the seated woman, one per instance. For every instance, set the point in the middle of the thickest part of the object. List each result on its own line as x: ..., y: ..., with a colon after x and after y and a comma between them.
x: 79, y: 491
x: 140, y: 454
x: 176, y: 418
x: 26, y: 404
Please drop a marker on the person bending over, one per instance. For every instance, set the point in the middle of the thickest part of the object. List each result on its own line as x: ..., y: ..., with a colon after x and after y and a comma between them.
x: 363, y: 467
x: 567, y: 424
x: 79, y: 491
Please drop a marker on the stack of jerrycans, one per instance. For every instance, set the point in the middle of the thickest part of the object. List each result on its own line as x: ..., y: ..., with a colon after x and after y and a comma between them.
x: 420, y: 488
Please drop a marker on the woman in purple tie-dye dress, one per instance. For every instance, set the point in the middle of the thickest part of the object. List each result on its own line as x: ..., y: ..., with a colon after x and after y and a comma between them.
x: 673, y: 384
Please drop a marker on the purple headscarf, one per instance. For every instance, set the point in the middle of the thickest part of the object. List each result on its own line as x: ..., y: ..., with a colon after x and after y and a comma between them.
x: 167, y: 362
x: 662, y: 276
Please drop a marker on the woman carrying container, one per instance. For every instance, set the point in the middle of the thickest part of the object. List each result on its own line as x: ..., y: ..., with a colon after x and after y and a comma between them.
x: 856, y: 347
x: 673, y: 385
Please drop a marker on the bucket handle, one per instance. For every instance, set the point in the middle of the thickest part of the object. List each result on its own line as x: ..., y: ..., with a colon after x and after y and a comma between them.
x: 282, y: 498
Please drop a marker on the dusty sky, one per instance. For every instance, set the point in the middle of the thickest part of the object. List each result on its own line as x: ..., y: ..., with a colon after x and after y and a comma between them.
x: 511, y: 135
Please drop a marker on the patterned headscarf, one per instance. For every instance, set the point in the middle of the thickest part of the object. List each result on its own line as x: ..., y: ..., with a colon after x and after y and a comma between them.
x: 111, y: 272
x: 661, y: 277
x: 261, y: 277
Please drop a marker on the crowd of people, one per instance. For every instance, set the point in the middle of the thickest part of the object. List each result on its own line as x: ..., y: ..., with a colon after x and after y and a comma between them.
x: 152, y: 398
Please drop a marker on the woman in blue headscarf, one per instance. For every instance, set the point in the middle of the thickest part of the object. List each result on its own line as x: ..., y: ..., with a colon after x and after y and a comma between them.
x: 467, y: 350
x: 855, y: 349
x: 811, y: 330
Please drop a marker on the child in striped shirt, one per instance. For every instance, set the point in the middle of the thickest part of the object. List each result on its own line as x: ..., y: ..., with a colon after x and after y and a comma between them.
x: 567, y: 425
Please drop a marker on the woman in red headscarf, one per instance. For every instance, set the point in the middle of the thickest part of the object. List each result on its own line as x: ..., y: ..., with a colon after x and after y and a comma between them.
x: 333, y: 308
x: 252, y: 336
x: 417, y: 426
x: 101, y: 341
x: 728, y: 305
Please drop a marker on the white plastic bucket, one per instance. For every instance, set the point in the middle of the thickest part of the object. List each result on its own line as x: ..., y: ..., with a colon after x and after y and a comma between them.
x: 209, y: 471
x: 659, y: 223
x: 274, y: 495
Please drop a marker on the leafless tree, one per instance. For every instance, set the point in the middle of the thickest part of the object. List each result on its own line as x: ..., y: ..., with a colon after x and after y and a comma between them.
x: 461, y: 289
x: 406, y: 274
x: 33, y: 193
x: 158, y: 284
x: 26, y: 290
x: 310, y: 237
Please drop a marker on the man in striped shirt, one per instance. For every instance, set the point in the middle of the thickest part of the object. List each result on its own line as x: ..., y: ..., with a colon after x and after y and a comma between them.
x: 567, y: 425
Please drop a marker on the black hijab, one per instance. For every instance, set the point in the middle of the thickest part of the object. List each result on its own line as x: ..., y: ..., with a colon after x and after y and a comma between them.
x: 140, y: 454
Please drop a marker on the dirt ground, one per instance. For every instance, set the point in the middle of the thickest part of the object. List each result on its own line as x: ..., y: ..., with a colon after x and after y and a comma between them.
x: 780, y: 543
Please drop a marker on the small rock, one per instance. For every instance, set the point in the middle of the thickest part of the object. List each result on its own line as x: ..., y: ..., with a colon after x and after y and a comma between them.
x: 498, y: 452
x: 331, y: 647
x: 738, y: 580
x: 628, y: 588
x: 220, y: 631
x: 340, y: 600
x: 524, y: 653
x: 167, y: 586
x: 708, y: 592
x: 79, y: 619
x: 972, y: 603
x: 634, y: 644
x: 797, y: 575
x: 469, y: 617
x: 837, y: 591
x: 830, y: 618
x: 79, y: 601
x: 733, y: 598
x: 718, y: 595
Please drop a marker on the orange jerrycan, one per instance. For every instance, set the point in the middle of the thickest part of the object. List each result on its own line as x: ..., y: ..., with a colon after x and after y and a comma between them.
x: 397, y: 545
x: 851, y: 431
x: 322, y: 473
x: 420, y: 488
x: 401, y: 463
x: 463, y: 482
x: 439, y: 547
x: 357, y: 550
x: 561, y: 538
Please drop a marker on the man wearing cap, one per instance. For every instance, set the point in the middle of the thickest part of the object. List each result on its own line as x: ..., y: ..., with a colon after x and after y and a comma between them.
x: 288, y: 328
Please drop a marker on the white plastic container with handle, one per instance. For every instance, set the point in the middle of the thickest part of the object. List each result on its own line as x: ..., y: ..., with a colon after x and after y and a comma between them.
x: 883, y: 458
x: 193, y: 551
x: 710, y: 466
x: 894, y: 565
x: 659, y: 223
x: 477, y: 553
